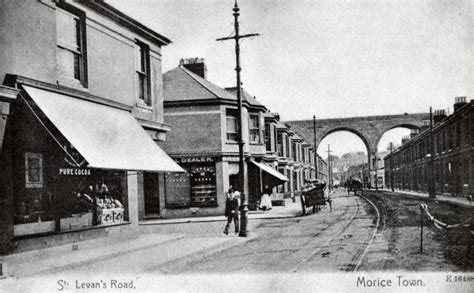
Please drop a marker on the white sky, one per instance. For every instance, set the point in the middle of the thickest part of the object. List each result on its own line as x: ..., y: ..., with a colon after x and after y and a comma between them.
x: 326, y: 58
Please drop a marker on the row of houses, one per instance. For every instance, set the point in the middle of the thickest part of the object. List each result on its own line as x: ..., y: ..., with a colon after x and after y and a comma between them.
x: 94, y: 138
x: 442, y: 157
x: 204, y: 137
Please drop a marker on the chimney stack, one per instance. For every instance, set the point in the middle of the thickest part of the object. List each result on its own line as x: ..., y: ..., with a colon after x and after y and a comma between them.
x: 195, y: 65
x: 438, y: 116
x: 405, y: 139
x: 459, y: 102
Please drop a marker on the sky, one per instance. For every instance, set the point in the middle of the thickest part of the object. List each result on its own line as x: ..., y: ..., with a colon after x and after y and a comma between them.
x: 326, y: 58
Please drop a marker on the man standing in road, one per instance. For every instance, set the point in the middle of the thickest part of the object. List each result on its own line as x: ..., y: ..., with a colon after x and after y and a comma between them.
x: 329, y: 200
x: 232, y: 210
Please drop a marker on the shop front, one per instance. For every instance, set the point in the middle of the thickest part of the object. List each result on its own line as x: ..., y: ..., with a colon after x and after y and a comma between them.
x: 195, y: 190
x: 75, y: 165
x: 76, y: 198
x: 262, y: 181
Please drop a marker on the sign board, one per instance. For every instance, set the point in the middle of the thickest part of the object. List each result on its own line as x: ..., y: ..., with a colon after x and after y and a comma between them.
x: 188, y: 160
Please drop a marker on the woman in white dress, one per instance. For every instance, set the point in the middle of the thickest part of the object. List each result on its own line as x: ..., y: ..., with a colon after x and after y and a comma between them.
x: 266, y: 200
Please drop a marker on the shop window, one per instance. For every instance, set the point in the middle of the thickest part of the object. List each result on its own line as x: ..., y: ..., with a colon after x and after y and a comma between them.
x: 143, y: 73
x: 195, y: 188
x: 231, y: 125
x: 203, y: 186
x: 178, y: 190
x: 78, y: 198
x: 254, y: 128
x: 71, y: 45
x: 90, y: 197
x: 33, y: 170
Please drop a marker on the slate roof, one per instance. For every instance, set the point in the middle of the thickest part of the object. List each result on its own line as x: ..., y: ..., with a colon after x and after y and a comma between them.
x: 281, y: 125
x: 180, y: 84
x: 245, y: 96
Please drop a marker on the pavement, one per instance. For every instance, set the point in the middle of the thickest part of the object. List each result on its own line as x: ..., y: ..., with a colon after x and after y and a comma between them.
x: 170, y: 235
x: 290, y: 210
x: 167, y: 235
x: 458, y: 200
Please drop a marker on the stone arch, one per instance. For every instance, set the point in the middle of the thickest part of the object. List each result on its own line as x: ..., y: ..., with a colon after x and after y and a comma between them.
x: 359, y: 134
x: 388, y: 128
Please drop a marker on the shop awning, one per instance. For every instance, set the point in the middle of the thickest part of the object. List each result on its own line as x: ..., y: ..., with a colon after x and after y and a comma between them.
x: 107, y: 137
x: 269, y: 170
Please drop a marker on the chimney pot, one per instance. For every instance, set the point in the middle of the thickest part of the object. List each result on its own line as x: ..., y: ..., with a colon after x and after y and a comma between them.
x: 195, y: 65
x: 438, y: 116
x: 459, y: 102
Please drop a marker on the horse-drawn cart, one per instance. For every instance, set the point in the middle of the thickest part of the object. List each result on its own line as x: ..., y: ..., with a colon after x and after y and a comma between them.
x: 355, y: 185
x: 313, y: 196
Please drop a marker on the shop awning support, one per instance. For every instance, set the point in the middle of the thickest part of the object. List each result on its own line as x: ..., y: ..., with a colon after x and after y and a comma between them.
x: 49, y: 131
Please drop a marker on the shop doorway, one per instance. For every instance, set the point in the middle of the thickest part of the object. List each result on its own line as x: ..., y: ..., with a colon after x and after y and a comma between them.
x: 234, y: 181
x: 152, y: 194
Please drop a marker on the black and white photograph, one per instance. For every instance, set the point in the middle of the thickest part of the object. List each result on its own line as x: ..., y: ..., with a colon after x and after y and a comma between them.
x: 236, y: 146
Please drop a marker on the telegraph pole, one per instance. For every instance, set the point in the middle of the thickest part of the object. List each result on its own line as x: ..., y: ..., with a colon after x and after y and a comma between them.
x: 244, y: 198
x: 329, y: 167
x: 391, y: 167
x: 315, y: 148
x: 431, y: 187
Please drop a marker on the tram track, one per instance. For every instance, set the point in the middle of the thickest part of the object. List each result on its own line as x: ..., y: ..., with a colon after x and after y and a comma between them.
x: 362, y: 247
x: 339, y: 232
x: 376, y: 228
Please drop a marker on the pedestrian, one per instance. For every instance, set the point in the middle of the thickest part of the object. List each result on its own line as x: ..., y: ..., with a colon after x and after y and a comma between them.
x: 265, y: 199
x: 329, y: 200
x: 232, y: 210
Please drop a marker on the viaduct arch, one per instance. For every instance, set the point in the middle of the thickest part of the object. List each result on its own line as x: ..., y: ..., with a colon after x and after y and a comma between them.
x: 370, y: 129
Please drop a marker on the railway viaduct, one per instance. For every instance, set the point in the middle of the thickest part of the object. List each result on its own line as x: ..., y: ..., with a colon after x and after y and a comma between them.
x: 370, y: 129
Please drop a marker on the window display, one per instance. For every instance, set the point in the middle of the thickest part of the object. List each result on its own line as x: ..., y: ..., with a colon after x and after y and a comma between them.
x: 203, y: 186
x: 195, y: 188
x: 178, y: 188
x: 74, y: 198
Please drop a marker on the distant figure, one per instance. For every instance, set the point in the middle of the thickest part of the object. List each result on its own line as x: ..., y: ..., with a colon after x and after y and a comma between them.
x: 232, y: 210
x: 329, y: 200
x: 266, y: 200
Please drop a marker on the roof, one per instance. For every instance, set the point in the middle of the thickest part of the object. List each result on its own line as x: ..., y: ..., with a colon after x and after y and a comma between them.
x: 110, y: 11
x: 182, y: 85
x: 281, y: 125
x: 269, y: 116
x: 245, y: 96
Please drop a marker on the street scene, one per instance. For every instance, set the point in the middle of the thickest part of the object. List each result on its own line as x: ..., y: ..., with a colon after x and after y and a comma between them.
x: 235, y: 145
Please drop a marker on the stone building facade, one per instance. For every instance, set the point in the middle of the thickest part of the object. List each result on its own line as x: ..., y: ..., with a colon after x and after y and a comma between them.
x: 82, y: 109
x: 204, y: 142
x: 444, y: 155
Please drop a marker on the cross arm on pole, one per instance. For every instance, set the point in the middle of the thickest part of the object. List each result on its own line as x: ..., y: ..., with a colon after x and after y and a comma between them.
x: 237, y: 37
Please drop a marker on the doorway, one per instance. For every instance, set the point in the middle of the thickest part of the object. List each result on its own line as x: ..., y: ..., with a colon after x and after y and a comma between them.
x: 152, y: 194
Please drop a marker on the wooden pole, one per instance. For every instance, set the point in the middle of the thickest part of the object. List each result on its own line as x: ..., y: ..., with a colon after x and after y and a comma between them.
x: 421, y: 229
